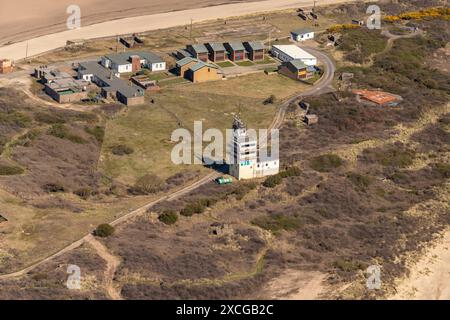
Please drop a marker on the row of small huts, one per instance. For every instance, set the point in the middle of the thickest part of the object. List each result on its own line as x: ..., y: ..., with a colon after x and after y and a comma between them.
x: 218, y: 52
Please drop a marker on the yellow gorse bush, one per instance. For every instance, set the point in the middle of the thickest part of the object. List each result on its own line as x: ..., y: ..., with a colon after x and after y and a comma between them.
x: 340, y: 27
x: 433, y: 13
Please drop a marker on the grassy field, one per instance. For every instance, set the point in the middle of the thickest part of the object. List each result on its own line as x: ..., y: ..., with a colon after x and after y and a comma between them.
x: 261, y: 86
x: 147, y: 129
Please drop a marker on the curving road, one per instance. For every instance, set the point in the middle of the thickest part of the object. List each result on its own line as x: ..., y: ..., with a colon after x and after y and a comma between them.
x: 320, y: 87
x: 323, y: 85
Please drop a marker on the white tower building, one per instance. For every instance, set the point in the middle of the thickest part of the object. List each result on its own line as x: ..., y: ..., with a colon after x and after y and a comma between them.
x: 245, y: 163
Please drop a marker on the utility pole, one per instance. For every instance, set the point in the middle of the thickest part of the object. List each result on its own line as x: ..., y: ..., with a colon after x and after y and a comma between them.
x: 26, y: 52
x: 270, y: 39
x: 190, y: 29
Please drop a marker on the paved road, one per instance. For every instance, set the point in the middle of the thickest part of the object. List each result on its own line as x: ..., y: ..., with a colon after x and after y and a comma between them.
x: 39, y: 45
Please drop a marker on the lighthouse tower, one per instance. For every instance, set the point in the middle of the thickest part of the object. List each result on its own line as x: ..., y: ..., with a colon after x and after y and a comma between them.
x: 244, y: 151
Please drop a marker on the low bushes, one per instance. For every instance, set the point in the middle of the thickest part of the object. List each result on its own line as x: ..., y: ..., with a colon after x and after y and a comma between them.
x: 362, y: 182
x: 168, y: 217
x: 195, y: 207
x: 53, y: 187
x: 326, y: 162
x: 272, y: 181
x: 278, y: 222
x: 60, y: 131
x: 147, y: 184
x: 270, y: 100
x: 121, y: 150
x: 104, y: 230
x: 10, y: 170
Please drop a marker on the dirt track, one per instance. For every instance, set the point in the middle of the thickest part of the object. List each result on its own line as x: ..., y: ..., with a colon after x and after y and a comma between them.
x: 41, y: 44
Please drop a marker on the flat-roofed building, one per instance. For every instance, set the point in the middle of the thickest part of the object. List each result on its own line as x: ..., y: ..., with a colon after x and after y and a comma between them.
x: 292, y: 52
x: 302, y: 34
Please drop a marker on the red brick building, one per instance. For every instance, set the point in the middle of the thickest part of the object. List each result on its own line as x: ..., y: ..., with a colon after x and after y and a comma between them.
x: 198, y: 51
x: 217, y: 52
x: 255, y: 50
x: 236, y: 51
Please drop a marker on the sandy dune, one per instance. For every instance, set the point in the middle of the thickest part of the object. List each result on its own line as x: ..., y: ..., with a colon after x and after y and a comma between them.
x: 48, y: 42
x: 429, y: 278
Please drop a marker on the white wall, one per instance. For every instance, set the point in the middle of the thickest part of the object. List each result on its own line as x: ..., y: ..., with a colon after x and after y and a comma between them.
x: 284, y: 57
x: 123, y: 68
x: 160, y: 66
x: 304, y: 37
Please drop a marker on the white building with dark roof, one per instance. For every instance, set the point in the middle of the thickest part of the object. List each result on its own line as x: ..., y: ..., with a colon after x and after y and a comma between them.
x: 302, y: 34
x: 133, y: 61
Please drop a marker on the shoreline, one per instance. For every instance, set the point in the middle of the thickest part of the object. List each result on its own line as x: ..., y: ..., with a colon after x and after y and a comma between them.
x: 46, y: 43
x: 428, y: 278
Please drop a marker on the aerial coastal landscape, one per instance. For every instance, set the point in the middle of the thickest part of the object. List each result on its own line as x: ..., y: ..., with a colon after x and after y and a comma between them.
x: 225, y: 150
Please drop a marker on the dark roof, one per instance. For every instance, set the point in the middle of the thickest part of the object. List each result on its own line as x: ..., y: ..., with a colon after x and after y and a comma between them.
x: 216, y: 46
x: 201, y: 64
x: 199, y: 48
x: 113, y: 83
x: 185, y: 61
x: 123, y: 57
x: 302, y: 31
x: 236, y: 45
x: 255, y: 45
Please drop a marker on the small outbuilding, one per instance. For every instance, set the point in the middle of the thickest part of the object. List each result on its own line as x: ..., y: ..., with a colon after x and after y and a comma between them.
x: 202, y: 72
x: 6, y: 66
x: 295, y: 69
x: 302, y: 34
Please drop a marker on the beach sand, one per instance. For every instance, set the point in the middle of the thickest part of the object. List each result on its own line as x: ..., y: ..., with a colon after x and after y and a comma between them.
x: 26, y: 19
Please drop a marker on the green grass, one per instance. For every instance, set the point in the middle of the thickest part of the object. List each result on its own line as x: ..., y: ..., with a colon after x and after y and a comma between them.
x: 266, y: 60
x: 246, y: 63
x: 225, y: 64
x: 147, y: 129
x: 159, y: 76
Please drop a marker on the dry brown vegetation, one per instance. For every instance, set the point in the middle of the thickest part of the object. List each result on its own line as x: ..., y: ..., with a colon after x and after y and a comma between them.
x: 49, y: 280
x: 372, y: 189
